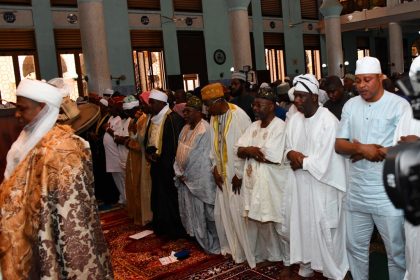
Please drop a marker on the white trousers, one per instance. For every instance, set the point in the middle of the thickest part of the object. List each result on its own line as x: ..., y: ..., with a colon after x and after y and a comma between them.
x: 119, y: 179
x: 359, y: 232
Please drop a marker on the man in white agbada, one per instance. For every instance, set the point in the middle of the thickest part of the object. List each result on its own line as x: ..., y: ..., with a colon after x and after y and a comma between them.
x: 317, y: 228
x: 408, y: 130
x: 264, y: 180
x: 228, y: 122
x: 196, y: 186
x: 367, y: 128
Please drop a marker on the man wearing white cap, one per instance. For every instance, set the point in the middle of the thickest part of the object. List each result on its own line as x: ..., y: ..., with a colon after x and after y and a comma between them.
x: 161, y: 143
x: 241, y: 96
x: 317, y: 228
x: 49, y: 225
x: 367, y: 127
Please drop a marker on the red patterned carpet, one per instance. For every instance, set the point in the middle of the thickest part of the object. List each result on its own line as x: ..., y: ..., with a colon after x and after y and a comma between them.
x: 139, y: 259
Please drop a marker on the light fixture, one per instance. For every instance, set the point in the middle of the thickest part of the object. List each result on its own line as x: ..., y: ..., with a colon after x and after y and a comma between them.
x: 324, y: 65
x: 346, y: 63
x: 232, y: 69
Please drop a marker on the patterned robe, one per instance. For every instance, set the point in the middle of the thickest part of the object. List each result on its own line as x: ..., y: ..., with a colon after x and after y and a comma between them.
x: 49, y: 224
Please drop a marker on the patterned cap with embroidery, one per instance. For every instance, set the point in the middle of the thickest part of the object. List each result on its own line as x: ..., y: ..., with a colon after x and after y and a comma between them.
x: 195, y: 103
x: 266, y: 93
x: 212, y: 91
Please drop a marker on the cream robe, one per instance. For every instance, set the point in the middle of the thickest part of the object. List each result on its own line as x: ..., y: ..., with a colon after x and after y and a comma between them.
x: 265, y: 191
x: 228, y: 209
x: 317, y: 226
x: 112, y: 155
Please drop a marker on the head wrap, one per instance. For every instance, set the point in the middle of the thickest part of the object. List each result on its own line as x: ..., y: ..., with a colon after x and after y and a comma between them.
x: 130, y: 102
x: 350, y: 76
x: 368, y: 65
x: 40, y: 91
x: 414, y: 74
x: 108, y: 91
x: 333, y: 83
x: 306, y: 83
x: 158, y: 95
x: 145, y: 96
x: 212, y: 91
x: 239, y: 75
x: 283, y: 88
x: 44, y: 121
x: 266, y: 93
x: 195, y: 103
x: 265, y: 85
x: 104, y: 102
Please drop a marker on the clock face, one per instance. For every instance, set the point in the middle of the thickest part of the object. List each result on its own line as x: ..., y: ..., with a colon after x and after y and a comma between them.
x: 219, y: 56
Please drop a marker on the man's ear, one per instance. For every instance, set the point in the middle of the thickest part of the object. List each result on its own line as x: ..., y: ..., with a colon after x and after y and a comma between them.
x: 315, y: 98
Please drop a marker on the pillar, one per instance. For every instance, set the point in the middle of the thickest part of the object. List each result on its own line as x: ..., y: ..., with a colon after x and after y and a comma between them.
x: 396, y: 49
x: 331, y: 10
x: 239, y: 25
x: 94, y: 44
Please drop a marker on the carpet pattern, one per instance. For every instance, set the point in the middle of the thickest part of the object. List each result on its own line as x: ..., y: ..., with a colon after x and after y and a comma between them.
x: 139, y: 259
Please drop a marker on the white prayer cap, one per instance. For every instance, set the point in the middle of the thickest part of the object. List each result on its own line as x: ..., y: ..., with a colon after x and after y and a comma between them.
x: 414, y: 76
x: 368, y: 65
x: 265, y: 85
x: 158, y: 95
x: 239, y: 75
x: 61, y: 84
x: 306, y: 83
x: 108, y: 91
x: 104, y: 102
x: 291, y: 94
x: 40, y: 91
x: 130, y: 105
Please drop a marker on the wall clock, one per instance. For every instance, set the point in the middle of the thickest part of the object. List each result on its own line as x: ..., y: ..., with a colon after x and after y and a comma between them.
x: 219, y: 56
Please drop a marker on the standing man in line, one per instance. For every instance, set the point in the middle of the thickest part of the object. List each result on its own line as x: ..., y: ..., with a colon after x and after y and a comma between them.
x: 161, y: 143
x: 228, y: 122
x: 241, y: 96
x: 366, y: 129
x: 264, y: 181
x: 49, y: 222
x: 317, y: 227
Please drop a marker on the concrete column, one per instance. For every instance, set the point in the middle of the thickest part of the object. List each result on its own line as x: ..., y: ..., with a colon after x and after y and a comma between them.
x: 44, y: 36
x: 331, y: 10
x: 396, y: 48
x: 170, y: 39
x: 94, y: 44
x: 258, y: 33
x: 239, y: 25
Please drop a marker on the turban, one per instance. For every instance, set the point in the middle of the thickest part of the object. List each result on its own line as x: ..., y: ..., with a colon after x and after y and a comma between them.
x: 368, y: 65
x: 40, y: 91
x: 239, y: 75
x: 158, y: 95
x: 130, y: 102
x: 306, y: 83
x: 212, y: 91
x: 291, y: 94
x: 195, y: 103
x: 145, y: 96
x: 266, y: 93
x: 104, y: 102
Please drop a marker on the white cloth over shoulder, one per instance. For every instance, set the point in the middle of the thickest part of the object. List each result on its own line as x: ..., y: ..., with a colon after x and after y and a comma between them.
x: 317, y: 228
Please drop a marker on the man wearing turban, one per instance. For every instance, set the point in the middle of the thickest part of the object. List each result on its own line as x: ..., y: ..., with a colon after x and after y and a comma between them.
x: 196, y: 186
x: 367, y: 127
x: 49, y: 224
x: 317, y: 227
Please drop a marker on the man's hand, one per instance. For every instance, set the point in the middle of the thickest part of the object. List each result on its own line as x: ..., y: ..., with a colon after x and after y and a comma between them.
x: 217, y: 178
x: 296, y: 159
x: 370, y: 152
x: 151, y: 157
x: 409, y: 139
x: 236, y: 185
x: 255, y: 153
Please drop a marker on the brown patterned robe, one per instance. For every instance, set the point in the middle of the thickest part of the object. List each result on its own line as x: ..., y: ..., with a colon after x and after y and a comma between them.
x: 49, y: 224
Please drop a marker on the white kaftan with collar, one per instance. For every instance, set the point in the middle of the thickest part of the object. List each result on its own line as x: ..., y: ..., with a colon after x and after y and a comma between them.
x: 230, y: 224
x: 264, y: 191
x: 317, y: 227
